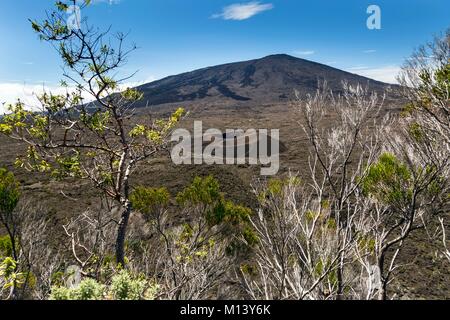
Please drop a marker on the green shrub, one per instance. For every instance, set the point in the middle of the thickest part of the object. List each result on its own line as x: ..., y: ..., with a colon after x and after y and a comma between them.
x: 9, y: 275
x: 123, y: 287
x: 201, y: 191
x: 145, y: 200
x: 388, y: 180
x: 5, y: 246
x: 61, y: 294
x: 9, y: 192
x: 88, y: 289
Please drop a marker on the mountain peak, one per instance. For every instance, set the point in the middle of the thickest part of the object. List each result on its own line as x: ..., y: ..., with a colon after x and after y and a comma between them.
x: 278, y: 56
x: 272, y: 79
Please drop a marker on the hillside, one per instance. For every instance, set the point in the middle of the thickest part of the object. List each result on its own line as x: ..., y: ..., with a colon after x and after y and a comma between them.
x: 272, y: 79
x: 251, y: 94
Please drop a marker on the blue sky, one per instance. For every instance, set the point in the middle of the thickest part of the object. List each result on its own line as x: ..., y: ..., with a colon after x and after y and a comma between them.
x: 181, y: 35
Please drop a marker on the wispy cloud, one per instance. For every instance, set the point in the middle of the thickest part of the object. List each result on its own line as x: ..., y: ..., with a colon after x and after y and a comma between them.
x: 359, y: 67
x: 386, y: 74
x: 137, y: 83
x: 304, y: 53
x: 243, y: 11
x: 370, y: 51
x: 110, y: 2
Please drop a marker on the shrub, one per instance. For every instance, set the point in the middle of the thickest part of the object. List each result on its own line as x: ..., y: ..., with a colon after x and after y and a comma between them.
x: 145, y: 200
x: 88, y: 289
x: 123, y: 286
x: 388, y: 180
x: 5, y: 246
x: 9, y: 192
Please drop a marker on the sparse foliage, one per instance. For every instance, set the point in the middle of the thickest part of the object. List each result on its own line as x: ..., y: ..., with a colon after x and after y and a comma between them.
x: 28, y: 261
x: 196, y: 255
x: 426, y: 121
x: 333, y: 231
x: 72, y: 137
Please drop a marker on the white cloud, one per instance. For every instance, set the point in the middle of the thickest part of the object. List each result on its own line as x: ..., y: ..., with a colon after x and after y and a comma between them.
x: 304, y: 53
x: 357, y: 68
x: 243, y: 11
x: 386, y: 74
x: 138, y: 83
x: 110, y: 2
x: 28, y: 92
x: 95, y: 2
x: 370, y: 51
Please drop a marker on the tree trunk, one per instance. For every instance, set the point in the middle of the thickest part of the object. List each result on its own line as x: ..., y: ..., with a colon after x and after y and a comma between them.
x: 382, y: 293
x: 121, y: 235
x: 14, y: 252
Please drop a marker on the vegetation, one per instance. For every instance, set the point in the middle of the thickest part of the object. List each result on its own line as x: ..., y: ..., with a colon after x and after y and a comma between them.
x: 123, y: 287
x: 335, y: 231
x: 96, y: 140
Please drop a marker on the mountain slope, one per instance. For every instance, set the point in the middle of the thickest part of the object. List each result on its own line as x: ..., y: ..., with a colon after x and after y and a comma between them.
x: 268, y: 80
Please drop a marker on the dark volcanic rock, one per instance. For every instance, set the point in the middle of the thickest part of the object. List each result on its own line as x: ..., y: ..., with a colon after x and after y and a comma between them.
x: 271, y: 79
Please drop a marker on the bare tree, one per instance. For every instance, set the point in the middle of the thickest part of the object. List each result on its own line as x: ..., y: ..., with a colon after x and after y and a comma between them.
x: 30, y: 254
x: 307, y: 233
x: 194, y: 264
x: 300, y: 245
x: 425, y: 80
x: 91, y: 235
x: 39, y: 258
x: 35, y: 259
x: 340, y: 233
x: 343, y: 150
x: 426, y: 120
x: 444, y: 240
